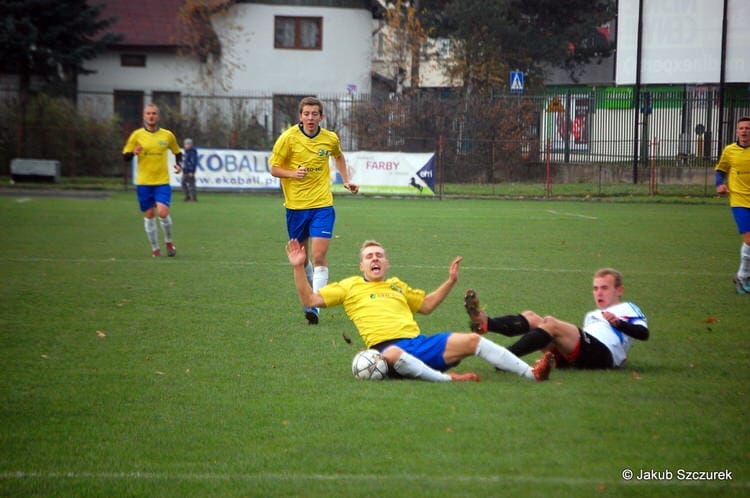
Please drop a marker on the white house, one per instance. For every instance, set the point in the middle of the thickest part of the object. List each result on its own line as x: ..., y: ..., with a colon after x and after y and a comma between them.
x: 277, y: 51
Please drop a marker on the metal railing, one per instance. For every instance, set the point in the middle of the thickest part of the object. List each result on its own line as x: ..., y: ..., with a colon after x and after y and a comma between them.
x: 577, y: 133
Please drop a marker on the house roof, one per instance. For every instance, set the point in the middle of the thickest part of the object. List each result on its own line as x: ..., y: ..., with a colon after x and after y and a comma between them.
x: 154, y: 23
x: 143, y: 23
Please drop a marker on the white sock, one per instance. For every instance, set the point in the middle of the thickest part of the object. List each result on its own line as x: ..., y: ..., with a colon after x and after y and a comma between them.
x: 320, y: 277
x: 744, y: 271
x: 309, y: 272
x: 503, y: 359
x: 413, y: 367
x: 150, y: 226
x: 166, y: 227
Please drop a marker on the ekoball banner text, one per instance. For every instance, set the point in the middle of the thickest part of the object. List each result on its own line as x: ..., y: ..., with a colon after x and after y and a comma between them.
x: 382, y: 173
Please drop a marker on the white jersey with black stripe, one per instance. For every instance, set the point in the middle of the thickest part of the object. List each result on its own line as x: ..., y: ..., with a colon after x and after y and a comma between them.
x: 618, y: 343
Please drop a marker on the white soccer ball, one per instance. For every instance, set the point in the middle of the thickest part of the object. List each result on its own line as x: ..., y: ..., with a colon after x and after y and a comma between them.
x: 369, y: 365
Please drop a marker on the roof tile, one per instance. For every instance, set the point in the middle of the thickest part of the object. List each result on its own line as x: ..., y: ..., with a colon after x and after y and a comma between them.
x: 143, y: 22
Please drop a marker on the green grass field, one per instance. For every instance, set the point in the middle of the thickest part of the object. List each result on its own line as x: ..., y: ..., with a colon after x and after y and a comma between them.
x: 197, y: 376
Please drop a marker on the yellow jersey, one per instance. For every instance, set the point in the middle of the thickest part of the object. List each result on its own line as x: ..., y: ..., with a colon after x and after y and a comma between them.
x: 294, y: 149
x: 735, y: 162
x: 152, y: 168
x: 381, y: 311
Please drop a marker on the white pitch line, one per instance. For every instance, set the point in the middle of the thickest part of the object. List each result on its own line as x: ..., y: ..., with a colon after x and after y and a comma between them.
x: 289, y: 477
x: 575, y: 215
x: 464, y: 267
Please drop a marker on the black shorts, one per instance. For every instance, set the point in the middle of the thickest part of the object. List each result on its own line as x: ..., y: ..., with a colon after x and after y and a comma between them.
x: 589, y: 354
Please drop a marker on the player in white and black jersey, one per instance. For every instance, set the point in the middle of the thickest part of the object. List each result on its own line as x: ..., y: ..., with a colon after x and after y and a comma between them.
x: 602, y: 342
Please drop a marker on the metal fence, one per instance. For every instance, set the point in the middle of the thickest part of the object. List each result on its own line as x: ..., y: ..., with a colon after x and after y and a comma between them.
x: 663, y: 136
x: 567, y: 135
x: 579, y: 124
x: 681, y: 124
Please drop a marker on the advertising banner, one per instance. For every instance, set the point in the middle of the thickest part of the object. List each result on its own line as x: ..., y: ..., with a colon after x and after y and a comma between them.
x: 681, y: 41
x: 387, y: 173
x: 572, y: 125
x: 227, y: 169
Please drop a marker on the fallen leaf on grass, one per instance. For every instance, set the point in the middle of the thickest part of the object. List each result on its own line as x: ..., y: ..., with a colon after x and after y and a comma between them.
x: 711, y: 319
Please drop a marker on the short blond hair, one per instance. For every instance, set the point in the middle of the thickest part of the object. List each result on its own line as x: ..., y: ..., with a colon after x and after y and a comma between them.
x: 151, y: 105
x: 616, y: 275
x: 370, y: 243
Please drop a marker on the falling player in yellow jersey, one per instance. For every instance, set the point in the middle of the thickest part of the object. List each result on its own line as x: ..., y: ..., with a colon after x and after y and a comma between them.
x: 382, y: 308
x: 733, y: 178
x: 301, y: 159
x: 150, y: 144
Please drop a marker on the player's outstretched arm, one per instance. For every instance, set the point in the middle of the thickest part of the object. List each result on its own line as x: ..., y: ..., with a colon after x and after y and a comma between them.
x: 434, y: 298
x: 296, y: 253
x: 297, y: 258
x: 344, y: 172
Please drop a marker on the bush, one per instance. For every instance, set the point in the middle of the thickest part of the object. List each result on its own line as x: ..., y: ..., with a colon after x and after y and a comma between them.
x: 54, y: 129
x: 479, y: 137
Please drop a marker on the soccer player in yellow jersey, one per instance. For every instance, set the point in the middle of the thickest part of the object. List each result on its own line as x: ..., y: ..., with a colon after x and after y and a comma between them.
x: 301, y: 158
x: 733, y: 177
x: 383, y: 310
x: 150, y: 144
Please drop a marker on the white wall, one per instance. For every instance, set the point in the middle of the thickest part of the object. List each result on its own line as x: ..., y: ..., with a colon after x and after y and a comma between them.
x: 344, y: 60
x: 253, y: 65
x: 163, y: 72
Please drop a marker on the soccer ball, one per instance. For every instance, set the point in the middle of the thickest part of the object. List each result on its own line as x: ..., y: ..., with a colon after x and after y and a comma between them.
x: 369, y: 365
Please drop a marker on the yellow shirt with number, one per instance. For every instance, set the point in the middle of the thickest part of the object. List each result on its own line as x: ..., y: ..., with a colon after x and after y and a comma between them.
x: 735, y: 162
x: 153, y: 167
x: 381, y: 311
x: 294, y: 149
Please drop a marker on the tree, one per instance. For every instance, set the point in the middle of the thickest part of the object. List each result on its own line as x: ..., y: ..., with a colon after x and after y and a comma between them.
x: 491, y: 37
x: 403, y: 41
x: 51, y: 40
x: 196, y: 36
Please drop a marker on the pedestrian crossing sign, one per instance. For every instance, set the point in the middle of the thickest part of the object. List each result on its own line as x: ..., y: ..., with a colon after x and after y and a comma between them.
x: 516, y: 81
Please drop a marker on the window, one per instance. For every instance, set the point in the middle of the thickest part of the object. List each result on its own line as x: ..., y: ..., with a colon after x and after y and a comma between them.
x: 436, y: 49
x: 379, y: 41
x: 132, y: 60
x: 298, y: 33
x: 129, y: 107
x: 167, y: 101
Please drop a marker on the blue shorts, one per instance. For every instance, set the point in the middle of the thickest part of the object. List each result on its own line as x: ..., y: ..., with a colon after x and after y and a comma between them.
x: 429, y: 349
x: 149, y: 195
x: 302, y: 224
x: 742, y: 218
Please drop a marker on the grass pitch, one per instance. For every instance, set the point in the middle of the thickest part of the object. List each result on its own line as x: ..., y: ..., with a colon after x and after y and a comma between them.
x: 123, y: 375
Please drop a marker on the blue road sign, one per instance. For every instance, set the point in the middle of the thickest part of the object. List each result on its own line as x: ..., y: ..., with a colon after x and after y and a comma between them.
x: 516, y: 82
